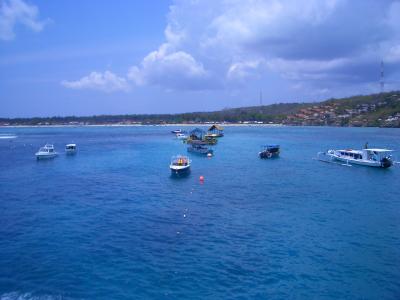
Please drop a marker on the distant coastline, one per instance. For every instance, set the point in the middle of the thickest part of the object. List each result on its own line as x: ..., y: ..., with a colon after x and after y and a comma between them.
x: 375, y: 110
x: 145, y: 125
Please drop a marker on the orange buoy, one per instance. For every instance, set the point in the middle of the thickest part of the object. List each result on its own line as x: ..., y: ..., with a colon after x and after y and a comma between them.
x: 201, y: 178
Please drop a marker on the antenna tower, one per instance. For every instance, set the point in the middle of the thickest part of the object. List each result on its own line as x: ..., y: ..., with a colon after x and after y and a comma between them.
x: 382, y: 81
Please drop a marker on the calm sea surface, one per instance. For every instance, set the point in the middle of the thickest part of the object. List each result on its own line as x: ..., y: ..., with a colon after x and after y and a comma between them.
x: 111, y: 223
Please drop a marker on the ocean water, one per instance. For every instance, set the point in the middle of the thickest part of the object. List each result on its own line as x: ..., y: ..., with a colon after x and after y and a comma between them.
x: 111, y: 223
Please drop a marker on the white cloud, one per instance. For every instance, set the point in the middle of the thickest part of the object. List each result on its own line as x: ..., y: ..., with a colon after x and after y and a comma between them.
x: 244, y: 69
x: 13, y: 12
x: 106, y: 82
x: 169, y: 69
x: 311, y: 43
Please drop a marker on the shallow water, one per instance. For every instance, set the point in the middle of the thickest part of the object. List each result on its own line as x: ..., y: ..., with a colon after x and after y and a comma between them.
x: 111, y: 223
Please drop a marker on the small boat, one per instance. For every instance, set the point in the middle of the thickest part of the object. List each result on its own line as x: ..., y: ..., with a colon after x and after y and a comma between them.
x: 7, y: 136
x: 371, y: 157
x: 269, y: 151
x: 70, y: 148
x: 180, y: 164
x: 46, y: 152
x: 181, y: 136
x: 200, y: 147
x: 177, y: 131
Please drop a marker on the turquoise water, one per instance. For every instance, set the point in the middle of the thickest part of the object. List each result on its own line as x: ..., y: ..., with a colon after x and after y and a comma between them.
x: 111, y: 223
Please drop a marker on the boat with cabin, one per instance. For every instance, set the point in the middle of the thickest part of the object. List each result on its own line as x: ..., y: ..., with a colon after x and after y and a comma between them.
x: 46, y: 152
x: 70, y: 148
x: 200, y: 147
x: 371, y: 157
x: 269, y: 151
x: 180, y: 164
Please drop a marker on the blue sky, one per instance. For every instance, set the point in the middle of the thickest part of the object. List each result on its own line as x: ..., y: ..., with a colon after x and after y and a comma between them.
x: 123, y: 57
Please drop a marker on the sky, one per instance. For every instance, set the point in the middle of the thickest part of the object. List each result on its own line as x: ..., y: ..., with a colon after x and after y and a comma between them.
x: 61, y: 58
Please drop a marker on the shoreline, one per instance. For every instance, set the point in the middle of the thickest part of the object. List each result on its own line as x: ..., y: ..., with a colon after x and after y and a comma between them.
x: 182, y: 125
x: 145, y: 125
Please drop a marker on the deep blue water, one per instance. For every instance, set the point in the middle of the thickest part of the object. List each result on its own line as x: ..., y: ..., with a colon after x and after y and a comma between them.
x: 110, y: 222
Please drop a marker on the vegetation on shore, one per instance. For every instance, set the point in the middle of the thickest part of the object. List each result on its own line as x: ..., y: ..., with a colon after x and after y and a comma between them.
x: 372, y: 110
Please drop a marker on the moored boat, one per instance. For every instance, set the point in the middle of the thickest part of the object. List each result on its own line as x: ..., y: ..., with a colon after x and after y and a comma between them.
x: 269, y: 151
x: 371, y: 157
x: 180, y: 164
x: 70, y: 148
x: 46, y: 152
x: 178, y: 131
x: 200, y: 147
x: 215, y: 131
x: 181, y: 136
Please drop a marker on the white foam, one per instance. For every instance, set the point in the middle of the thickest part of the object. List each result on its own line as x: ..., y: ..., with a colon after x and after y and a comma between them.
x: 7, y: 136
x: 27, y: 296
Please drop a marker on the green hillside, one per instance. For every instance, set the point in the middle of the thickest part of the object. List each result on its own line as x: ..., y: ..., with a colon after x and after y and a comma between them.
x: 370, y: 110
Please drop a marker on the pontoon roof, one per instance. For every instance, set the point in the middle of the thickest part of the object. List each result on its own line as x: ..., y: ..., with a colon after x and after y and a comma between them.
x: 216, y: 126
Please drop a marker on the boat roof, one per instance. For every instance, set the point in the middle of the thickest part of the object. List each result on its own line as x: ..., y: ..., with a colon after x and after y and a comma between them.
x: 350, y: 150
x: 271, y: 146
x: 368, y: 149
x: 216, y: 126
x: 70, y: 145
x: 379, y: 150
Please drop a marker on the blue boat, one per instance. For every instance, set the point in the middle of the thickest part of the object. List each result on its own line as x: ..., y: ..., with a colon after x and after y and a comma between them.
x: 269, y: 151
x: 200, y: 147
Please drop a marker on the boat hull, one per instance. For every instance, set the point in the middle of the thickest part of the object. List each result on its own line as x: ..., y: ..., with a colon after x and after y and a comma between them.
x: 179, y: 169
x: 267, y: 154
x: 45, y: 156
x: 214, y: 135
x: 70, y: 152
x: 385, y: 163
x: 200, y: 151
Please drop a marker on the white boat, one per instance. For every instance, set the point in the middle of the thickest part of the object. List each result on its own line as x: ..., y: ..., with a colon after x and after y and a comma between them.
x: 180, y: 164
x: 177, y: 131
x: 46, y: 152
x: 371, y: 157
x: 70, y: 148
x: 181, y: 136
x: 7, y: 136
